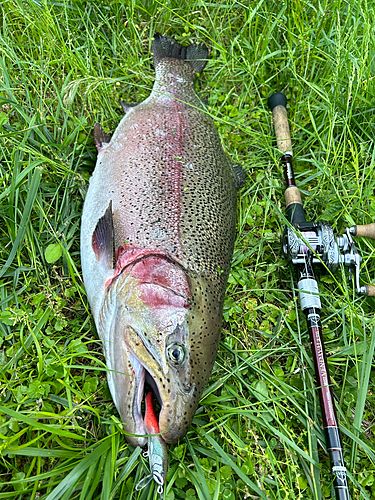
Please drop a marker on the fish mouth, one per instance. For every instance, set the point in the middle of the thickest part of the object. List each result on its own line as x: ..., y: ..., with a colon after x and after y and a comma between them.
x: 145, y: 382
x: 176, y: 401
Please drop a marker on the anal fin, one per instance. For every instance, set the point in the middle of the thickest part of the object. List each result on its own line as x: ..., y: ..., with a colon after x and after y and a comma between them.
x: 103, y: 239
x: 101, y: 138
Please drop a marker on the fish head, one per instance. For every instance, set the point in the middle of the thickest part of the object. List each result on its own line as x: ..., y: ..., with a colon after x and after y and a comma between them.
x: 162, y: 338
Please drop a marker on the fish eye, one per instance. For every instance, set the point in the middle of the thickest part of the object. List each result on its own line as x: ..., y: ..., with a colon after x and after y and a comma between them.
x: 176, y: 354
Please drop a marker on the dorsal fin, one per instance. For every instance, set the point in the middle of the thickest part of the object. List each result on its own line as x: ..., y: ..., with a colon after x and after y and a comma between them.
x: 103, y: 239
x: 101, y: 138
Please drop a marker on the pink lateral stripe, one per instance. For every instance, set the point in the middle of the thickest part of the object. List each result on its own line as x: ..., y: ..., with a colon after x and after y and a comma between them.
x: 177, y: 134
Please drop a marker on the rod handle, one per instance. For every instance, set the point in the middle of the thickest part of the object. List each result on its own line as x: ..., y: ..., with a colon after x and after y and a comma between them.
x: 367, y: 230
x: 277, y: 102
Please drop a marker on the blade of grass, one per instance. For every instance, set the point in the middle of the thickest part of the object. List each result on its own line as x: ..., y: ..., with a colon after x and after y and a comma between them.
x: 228, y: 461
x: 76, y: 473
x: 368, y: 357
x: 203, y: 491
x: 54, y: 429
x: 32, y: 192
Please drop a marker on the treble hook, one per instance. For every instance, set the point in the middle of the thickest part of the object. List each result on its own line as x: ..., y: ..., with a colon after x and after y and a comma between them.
x: 157, y: 450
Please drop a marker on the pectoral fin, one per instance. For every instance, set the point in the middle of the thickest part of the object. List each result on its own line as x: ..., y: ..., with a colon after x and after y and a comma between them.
x: 103, y: 239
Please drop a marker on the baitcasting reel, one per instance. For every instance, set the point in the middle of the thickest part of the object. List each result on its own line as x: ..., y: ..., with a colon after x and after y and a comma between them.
x: 327, y: 249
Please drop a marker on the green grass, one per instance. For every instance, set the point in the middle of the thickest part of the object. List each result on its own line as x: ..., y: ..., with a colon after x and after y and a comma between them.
x: 64, y: 65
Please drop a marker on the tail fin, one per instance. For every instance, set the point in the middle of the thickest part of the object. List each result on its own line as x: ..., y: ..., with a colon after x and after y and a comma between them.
x: 163, y: 47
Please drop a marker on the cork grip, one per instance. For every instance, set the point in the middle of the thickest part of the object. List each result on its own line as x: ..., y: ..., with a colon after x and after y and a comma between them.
x: 277, y: 103
x: 282, y: 132
x: 370, y: 290
x: 292, y: 195
x: 367, y: 230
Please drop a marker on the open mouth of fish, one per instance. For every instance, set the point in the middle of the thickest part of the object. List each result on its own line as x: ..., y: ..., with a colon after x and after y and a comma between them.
x: 144, y: 384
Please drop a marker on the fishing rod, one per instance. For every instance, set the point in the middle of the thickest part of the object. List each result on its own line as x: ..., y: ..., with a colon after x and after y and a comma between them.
x: 306, y: 244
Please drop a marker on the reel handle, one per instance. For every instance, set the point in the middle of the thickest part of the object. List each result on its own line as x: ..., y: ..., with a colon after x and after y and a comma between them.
x: 367, y: 230
x: 369, y: 290
x: 277, y: 103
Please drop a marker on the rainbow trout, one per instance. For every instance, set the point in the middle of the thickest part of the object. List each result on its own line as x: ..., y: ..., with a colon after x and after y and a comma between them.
x: 157, y: 236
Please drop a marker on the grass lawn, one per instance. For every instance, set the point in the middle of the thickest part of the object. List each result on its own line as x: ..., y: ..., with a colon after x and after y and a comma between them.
x: 257, y: 433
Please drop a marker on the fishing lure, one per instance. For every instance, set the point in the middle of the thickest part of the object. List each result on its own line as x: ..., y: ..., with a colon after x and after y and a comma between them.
x: 157, y: 449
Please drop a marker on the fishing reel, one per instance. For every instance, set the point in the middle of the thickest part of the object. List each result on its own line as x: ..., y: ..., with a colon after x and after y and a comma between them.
x: 326, y: 248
